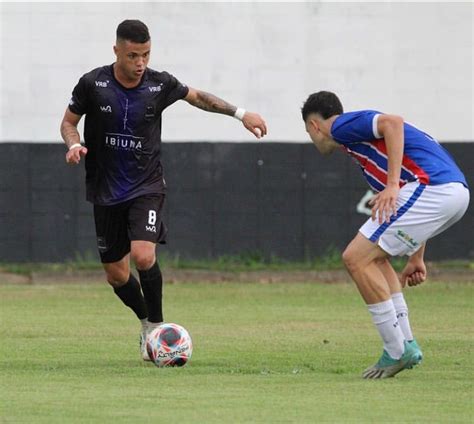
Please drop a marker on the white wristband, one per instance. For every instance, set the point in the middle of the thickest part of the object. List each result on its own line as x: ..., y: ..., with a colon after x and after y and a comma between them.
x: 75, y: 145
x: 239, y: 113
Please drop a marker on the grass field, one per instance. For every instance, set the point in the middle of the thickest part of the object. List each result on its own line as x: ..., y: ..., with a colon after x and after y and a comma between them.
x: 268, y: 353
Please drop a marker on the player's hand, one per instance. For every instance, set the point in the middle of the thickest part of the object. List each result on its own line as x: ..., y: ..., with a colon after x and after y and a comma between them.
x: 73, y: 156
x: 384, y: 204
x: 255, y: 124
x: 414, y: 273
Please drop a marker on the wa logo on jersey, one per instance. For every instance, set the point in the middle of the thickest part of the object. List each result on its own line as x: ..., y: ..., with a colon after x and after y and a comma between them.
x: 102, y: 84
x: 106, y: 109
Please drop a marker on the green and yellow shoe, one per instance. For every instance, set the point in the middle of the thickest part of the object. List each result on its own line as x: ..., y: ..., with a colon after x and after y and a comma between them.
x: 388, y: 367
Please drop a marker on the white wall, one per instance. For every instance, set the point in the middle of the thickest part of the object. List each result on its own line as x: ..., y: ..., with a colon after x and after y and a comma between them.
x: 413, y: 59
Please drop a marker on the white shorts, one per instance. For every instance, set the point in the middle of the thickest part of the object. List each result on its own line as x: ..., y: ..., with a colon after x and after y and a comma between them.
x: 423, y: 211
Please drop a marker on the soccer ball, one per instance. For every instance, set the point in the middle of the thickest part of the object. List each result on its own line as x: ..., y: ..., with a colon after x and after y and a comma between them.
x: 169, y: 345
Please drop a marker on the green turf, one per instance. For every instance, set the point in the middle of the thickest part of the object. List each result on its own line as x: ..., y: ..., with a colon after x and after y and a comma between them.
x: 270, y: 353
x: 245, y: 262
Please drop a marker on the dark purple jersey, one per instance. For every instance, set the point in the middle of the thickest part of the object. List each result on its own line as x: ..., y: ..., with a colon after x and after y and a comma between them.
x: 122, y: 132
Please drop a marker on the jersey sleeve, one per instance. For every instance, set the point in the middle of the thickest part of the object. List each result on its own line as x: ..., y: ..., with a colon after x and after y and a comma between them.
x: 79, y: 100
x: 176, y: 91
x: 356, y: 127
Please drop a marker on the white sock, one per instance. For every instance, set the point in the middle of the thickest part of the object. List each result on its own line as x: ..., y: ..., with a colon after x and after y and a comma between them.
x: 385, y: 319
x: 147, y: 326
x: 152, y: 325
x: 401, y: 309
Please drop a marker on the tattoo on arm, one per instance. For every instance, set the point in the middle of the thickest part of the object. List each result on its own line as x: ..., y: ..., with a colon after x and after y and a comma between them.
x: 70, y: 134
x: 211, y: 103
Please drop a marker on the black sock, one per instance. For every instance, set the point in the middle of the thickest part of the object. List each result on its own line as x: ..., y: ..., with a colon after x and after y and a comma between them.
x: 152, y: 286
x: 131, y: 295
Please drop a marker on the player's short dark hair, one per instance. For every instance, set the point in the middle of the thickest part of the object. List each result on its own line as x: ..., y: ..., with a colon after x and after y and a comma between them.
x: 133, y: 30
x: 323, y: 103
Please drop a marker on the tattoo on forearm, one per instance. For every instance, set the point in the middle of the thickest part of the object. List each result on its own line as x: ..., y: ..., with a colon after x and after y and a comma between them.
x: 70, y: 135
x: 211, y: 103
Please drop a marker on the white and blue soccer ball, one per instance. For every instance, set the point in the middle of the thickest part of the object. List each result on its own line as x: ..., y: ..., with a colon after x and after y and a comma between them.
x: 169, y: 345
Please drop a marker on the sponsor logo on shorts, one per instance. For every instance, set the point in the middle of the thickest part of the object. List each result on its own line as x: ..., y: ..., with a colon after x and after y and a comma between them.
x: 150, y: 228
x: 101, y: 244
x: 405, y: 238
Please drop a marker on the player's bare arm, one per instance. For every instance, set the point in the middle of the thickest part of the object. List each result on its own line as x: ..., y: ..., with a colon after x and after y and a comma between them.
x: 390, y: 127
x: 414, y: 272
x: 71, y: 137
x: 211, y: 103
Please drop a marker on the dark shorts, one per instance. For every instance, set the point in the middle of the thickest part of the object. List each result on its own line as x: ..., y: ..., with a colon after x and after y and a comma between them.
x: 137, y: 219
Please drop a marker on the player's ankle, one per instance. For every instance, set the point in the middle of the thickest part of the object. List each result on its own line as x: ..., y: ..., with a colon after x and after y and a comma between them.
x: 150, y: 326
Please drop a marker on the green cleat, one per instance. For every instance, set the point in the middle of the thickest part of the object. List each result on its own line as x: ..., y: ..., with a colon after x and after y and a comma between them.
x: 387, y: 366
x: 414, y: 344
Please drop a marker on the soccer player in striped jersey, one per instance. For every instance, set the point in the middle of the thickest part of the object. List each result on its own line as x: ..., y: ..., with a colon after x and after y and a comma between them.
x: 420, y: 193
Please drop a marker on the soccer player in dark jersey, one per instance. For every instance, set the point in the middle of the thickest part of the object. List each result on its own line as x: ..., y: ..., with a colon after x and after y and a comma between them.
x: 123, y: 103
x: 420, y: 193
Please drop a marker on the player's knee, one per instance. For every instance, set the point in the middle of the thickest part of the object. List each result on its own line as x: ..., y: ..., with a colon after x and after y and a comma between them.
x: 350, y: 259
x: 117, y: 277
x: 144, y: 261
